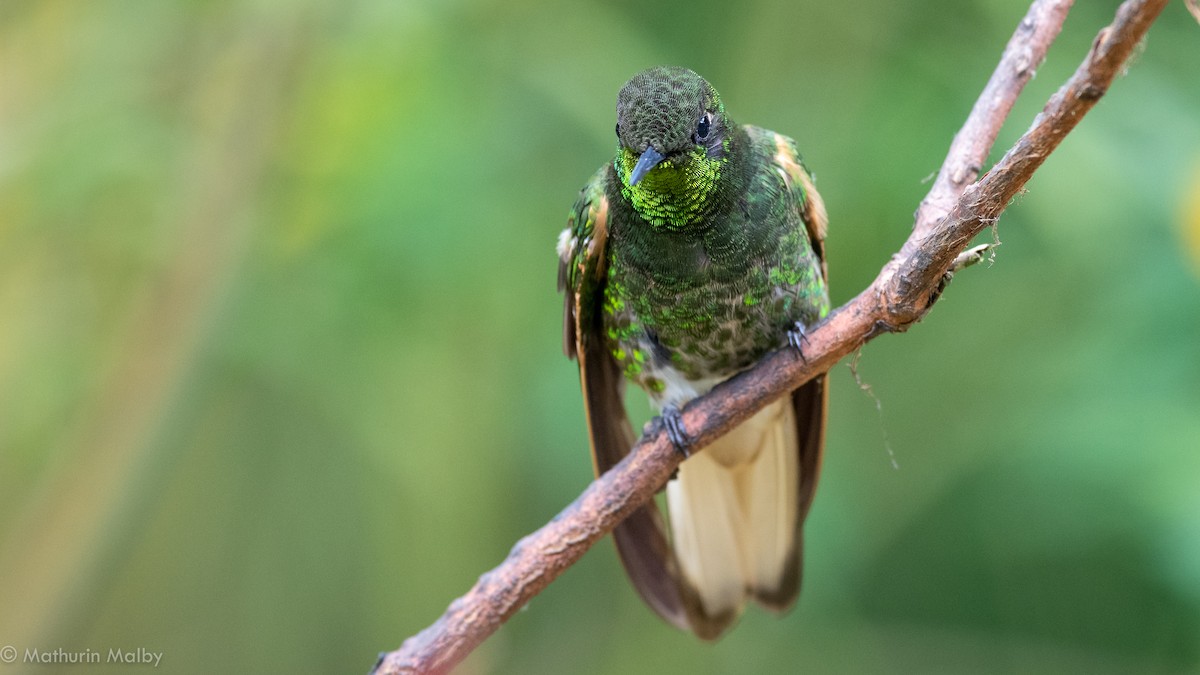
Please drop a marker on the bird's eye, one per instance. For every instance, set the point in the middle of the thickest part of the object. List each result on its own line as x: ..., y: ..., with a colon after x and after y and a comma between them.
x: 702, y: 128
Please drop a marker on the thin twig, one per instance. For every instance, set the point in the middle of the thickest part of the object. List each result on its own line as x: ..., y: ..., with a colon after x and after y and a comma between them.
x: 1025, y: 52
x: 901, y: 295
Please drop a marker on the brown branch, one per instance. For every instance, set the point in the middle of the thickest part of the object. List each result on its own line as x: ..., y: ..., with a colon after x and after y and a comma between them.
x: 1024, y: 53
x: 901, y: 295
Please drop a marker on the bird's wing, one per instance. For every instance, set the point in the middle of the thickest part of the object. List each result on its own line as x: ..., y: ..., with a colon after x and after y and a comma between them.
x: 583, y: 261
x: 811, y: 400
x: 808, y: 200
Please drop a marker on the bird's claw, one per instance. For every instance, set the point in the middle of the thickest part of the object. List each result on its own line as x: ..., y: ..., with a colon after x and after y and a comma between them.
x: 797, y: 337
x: 672, y: 421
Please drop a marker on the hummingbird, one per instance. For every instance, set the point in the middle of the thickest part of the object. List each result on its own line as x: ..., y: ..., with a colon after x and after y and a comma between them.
x: 695, y: 252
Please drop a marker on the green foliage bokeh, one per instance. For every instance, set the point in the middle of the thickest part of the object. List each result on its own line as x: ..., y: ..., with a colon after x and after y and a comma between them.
x: 280, y: 365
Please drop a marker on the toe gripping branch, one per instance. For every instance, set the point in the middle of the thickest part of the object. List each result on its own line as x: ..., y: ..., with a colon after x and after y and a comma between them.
x: 672, y: 420
x: 797, y: 337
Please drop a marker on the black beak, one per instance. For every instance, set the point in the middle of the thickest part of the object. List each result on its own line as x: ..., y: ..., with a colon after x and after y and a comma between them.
x: 649, y: 159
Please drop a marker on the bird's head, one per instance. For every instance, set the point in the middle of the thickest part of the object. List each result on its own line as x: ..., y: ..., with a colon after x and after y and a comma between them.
x: 674, y: 140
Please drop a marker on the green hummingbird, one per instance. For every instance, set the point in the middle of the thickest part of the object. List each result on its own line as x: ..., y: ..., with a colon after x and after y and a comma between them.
x: 696, y: 251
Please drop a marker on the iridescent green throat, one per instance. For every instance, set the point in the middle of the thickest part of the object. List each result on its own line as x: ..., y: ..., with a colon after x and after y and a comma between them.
x: 678, y: 193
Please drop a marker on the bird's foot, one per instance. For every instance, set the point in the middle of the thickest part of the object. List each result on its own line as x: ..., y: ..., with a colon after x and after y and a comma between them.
x: 672, y: 421
x: 797, y: 337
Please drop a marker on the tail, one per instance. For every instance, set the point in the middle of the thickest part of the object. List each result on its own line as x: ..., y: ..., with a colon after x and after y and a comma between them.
x: 736, y: 510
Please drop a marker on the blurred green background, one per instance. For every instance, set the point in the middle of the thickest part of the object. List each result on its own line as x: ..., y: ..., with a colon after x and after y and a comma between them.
x: 280, y: 367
